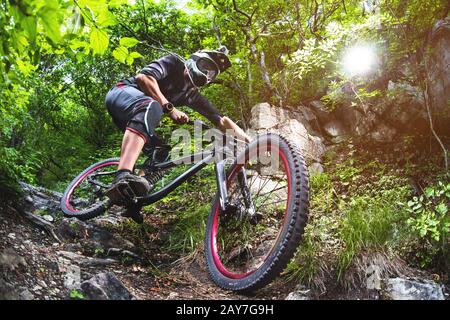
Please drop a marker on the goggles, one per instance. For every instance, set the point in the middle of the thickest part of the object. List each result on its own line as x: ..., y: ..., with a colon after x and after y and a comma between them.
x: 202, y: 71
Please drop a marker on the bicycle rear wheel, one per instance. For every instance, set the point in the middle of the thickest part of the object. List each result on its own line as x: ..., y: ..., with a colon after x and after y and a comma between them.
x: 84, y: 198
x: 250, y: 244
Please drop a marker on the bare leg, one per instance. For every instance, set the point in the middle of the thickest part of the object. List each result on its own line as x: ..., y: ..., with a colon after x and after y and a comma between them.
x: 132, y: 145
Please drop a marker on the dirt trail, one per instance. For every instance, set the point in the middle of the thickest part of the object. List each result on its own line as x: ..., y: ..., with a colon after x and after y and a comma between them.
x: 34, y: 265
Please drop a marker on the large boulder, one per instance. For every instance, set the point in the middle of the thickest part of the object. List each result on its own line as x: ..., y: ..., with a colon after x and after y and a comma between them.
x: 105, y: 286
x: 404, y: 108
x: 404, y: 289
x: 291, y: 124
x: 91, y: 236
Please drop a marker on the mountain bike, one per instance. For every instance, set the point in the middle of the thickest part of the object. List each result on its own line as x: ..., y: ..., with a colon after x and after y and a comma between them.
x: 257, y: 216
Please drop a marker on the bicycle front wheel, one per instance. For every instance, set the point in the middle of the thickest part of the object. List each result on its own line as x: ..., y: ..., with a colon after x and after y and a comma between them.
x: 249, y: 245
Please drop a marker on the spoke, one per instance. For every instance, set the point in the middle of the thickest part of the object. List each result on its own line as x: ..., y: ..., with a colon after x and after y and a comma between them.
x: 268, y: 204
x: 280, y: 188
x: 269, y: 193
x: 267, y: 179
x: 253, y: 179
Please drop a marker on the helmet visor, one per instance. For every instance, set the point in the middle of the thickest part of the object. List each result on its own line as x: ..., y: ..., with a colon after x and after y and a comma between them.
x: 208, y: 68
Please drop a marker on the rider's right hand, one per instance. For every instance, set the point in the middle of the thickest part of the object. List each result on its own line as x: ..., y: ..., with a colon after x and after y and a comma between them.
x: 179, y: 116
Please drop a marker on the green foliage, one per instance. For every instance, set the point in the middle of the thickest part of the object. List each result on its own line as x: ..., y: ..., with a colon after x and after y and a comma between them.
x: 75, y: 294
x: 350, y: 214
x: 190, y: 203
x: 429, y: 212
x: 189, y: 229
x: 311, y: 262
x: 58, y: 60
x: 370, y: 223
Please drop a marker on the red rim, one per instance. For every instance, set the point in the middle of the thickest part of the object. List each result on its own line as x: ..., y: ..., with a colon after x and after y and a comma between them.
x: 215, y: 253
x: 69, y: 194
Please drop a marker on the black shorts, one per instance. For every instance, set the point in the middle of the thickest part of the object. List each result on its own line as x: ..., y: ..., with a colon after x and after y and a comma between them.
x: 132, y: 110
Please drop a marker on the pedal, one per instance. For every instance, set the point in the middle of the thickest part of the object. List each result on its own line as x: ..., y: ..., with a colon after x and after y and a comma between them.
x: 121, y: 194
x: 134, y: 212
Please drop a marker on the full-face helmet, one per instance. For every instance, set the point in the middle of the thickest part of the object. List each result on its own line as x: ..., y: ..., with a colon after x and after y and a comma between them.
x: 203, y: 66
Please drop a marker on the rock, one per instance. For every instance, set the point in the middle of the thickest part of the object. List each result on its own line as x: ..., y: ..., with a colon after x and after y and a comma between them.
x: 439, y: 68
x: 320, y: 111
x: 308, y: 114
x: 302, y: 293
x: 49, y: 218
x: 263, y: 117
x: 73, y: 247
x: 7, y: 291
x: 315, y: 169
x: 90, y: 236
x: 403, y: 289
x: 373, y: 277
x: 383, y: 134
x: 105, y: 286
x: 125, y: 255
x: 335, y: 129
x: 72, y: 273
x: 172, y: 296
x: 292, y: 125
x: 38, y: 198
x: 113, y: 218
x: 85, y: 261
x: 72, y: 278
x: 37, y: 288
x: 9, y: 259
x: 350, y: 117
x: 405, y: 107
x: 25, y: 294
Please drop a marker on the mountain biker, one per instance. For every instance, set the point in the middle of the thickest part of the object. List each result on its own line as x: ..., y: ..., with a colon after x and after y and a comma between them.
x: 137, y: 104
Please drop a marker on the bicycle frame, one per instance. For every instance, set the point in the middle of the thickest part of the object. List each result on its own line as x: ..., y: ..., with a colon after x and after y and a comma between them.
x: 158, y: 195
x: 206, y: 157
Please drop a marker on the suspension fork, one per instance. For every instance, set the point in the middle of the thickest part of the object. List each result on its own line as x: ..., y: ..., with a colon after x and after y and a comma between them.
x: 225, y: 205
x: 246, y: 194
x: 222, y: 185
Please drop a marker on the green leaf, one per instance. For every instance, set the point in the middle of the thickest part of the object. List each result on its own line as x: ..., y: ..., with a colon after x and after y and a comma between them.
x: 117, y: 3
x: 75, y: 294
x: 106, y: 19
x: 50, y: 21
x: 442, y: 208
x: 99, y: 41
x: 423, y: 232
x: 128, y: 42
x: 129, y: 60
x: 135, y: 55
x: 30, y: 25
x: 429, y: 192
x: 120, y: 54
x: 25, y: 67
x: 76, y: 44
